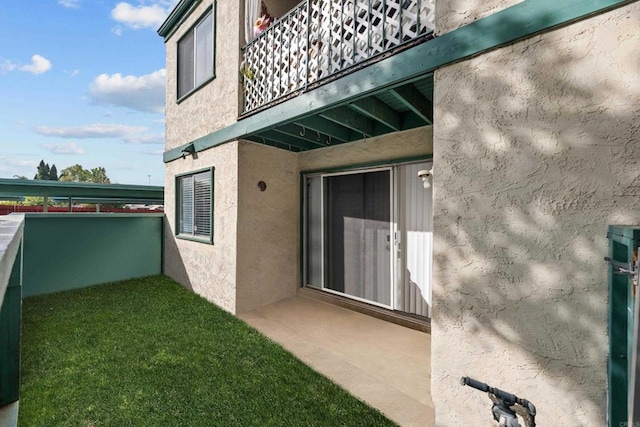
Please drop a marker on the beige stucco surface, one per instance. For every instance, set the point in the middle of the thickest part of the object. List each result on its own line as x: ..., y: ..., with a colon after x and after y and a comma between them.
x: 536, y: 152
x: 452, y: 14
x: 194, y: 117
x: 209, y: 270
x: 399, y: 145
x: 268, y: 225
x: 254, y: 260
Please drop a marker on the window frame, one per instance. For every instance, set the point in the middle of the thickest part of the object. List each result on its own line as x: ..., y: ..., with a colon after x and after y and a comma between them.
x: 210, y: 11
x: 178, y: 206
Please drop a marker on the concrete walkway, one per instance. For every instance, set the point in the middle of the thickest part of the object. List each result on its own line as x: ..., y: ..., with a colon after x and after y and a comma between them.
x: 386, y: 365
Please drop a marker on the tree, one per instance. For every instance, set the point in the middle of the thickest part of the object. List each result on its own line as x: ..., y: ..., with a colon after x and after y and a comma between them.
x: 44, y: 173
x: 19, y: 177
x: 77, y: 173
x: 40, y: 171
x: 99, y: 175
x: 53, y: 173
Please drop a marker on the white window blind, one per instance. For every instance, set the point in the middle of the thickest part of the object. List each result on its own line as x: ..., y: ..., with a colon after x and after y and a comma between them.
x: 202, y: 204
x: 194, y: 210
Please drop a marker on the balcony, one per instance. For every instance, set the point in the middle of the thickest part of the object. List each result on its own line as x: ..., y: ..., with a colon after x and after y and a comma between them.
x: 320, y: 40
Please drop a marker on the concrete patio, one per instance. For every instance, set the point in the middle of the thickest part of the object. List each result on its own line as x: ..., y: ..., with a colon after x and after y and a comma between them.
x: 384, y: 364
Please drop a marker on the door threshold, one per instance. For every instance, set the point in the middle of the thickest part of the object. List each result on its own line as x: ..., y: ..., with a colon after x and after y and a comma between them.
x: 407, y: 320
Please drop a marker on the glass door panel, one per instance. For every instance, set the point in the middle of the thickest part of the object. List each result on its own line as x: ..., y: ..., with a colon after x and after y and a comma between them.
x: 358, y: 235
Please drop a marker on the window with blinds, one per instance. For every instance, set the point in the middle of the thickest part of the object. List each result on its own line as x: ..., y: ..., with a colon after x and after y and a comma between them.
x: 196, y: 55
x: 194, y: 216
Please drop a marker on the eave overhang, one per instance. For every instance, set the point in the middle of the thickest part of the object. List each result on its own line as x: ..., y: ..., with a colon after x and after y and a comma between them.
x: 176, y: 17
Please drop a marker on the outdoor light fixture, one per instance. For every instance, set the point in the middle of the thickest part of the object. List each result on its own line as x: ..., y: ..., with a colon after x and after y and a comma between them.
x: 426, y: 175
x: 188, y: 150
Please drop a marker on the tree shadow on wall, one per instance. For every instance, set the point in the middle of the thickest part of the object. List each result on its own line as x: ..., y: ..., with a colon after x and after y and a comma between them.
x: 535, y: 153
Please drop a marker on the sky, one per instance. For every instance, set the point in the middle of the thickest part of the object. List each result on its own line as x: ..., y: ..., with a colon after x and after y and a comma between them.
x: 83, y: 82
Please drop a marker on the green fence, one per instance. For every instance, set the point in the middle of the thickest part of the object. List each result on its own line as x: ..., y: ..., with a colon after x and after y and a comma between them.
x: 69, y: 251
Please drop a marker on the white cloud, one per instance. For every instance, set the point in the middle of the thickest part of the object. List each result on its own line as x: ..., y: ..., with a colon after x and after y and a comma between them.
x: 96, y: 130
x: 63, y: 148
x: 12, y: 165
x: 39, y: 65
x: 136, y: 17
x: 153, y: 152
x: 150, y: 138
x: 75, y: 73
x: 7, y: 65
x: 71, y: 4
x: 135, y: 135
x: 142, y: 93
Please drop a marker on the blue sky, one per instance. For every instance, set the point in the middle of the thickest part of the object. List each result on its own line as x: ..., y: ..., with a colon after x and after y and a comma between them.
x: 83, y: 81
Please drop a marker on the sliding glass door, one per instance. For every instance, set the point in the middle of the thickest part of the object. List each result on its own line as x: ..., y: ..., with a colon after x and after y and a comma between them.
x: 368, y: 236
x: 348, y: 239
x: 358, y: 235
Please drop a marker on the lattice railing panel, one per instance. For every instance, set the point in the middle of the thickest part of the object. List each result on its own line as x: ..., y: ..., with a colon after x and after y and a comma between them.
x: 319, y: 38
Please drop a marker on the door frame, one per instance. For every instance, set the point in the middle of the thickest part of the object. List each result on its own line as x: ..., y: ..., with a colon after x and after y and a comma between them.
x: 395, y: 211
x: 392, y: 230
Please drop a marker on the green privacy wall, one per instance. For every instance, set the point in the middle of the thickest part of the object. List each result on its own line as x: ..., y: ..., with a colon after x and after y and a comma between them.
x: 69, y: 251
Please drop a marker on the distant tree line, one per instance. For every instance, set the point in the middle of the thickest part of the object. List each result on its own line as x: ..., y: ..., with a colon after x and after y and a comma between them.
x: 75, y: 173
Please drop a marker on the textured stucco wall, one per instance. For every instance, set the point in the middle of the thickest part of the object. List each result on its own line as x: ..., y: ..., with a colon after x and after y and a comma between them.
x: 209, y: 270
x: 411, y: 143
x: 536, y: 152
x: 268, y: 225
x: 216, y: 104
x: 452, y: 14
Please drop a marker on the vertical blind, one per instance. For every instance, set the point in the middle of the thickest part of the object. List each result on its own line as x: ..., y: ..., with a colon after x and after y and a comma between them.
x: 195, y: 204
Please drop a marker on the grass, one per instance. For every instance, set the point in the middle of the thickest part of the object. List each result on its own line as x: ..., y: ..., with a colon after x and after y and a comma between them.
x: 147, y: 352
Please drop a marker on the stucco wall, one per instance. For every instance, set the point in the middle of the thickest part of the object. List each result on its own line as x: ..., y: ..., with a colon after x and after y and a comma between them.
x: 399, y: 145
x: 209, y: 270
x: 214, y: 105
x: 268, y: 225
x: 452, y: 14
x: 536, y: 152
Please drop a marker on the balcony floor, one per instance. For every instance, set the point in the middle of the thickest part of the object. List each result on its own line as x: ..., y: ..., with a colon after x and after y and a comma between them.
x: 386, y: 365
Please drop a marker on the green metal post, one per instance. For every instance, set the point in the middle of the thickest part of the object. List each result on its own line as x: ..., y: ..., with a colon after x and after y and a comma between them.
x: 623, y: 242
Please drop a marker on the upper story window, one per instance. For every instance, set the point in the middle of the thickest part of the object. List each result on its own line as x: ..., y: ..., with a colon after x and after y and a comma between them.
x: 194, y: 216
x: 196, y: 53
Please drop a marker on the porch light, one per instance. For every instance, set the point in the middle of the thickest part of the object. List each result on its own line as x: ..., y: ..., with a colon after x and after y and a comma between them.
x: 426, y: 175
x: 188, y: 150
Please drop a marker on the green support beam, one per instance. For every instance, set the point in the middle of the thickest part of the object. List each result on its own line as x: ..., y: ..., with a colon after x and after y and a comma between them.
x: 414, y: 100
x: 19, y: 187
x: 272, y: 142
x: 316, y: 138
x: 350, y: 119
x: 287, y: 139
x: 378, y: 110
x: 336, y: 132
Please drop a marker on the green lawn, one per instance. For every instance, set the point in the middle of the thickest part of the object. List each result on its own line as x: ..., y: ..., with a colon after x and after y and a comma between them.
x: 147, y: 352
